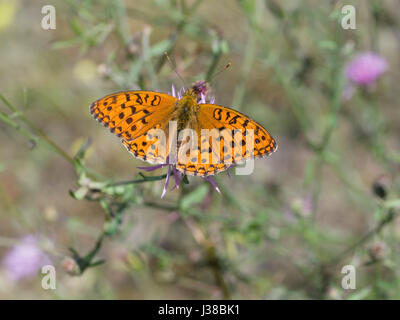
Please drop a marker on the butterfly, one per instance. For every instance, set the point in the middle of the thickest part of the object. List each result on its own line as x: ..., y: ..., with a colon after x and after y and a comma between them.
x: 134, y: 115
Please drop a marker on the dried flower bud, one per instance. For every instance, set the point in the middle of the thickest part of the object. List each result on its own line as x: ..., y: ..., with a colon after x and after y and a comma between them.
x: 302, y: 206
x: 133, y: 48
x: 377, y: 251
x: 334, y: 293
x: 380, y: 186
x: 103, y: 70
x: 70, y: 266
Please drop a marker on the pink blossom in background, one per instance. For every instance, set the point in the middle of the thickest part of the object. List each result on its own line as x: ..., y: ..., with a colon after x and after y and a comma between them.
x: 25, y: 259
x: 300, y: 207
x: 366, y: 68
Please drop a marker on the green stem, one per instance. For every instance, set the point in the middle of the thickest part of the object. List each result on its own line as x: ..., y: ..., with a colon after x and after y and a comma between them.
x: 331, y: 126
x: 391, y: 215
x: 37, y: 130
x: 144, y: 179
x: 249, y: 56
x: 176, y: 34
x: 213, y: 65
x: 210, y: 251
x: 7, y: 120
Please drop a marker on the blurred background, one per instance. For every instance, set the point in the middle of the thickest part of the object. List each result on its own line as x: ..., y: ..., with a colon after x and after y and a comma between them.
x: 71, y: 196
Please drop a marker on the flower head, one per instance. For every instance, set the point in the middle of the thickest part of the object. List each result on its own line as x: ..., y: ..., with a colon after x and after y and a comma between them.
x: 171, y: 169
x: 70, y: 266
x: 177, y: 94
x: 366, y: 68
x: 201, y: 88
x: 25, y: 259
x: 378, y: 250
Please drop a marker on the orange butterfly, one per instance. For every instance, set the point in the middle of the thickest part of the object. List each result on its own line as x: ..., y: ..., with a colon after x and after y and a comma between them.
x: 133, y: 115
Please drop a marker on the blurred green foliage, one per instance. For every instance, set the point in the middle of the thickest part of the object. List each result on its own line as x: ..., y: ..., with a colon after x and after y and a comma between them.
x: 284, y: 232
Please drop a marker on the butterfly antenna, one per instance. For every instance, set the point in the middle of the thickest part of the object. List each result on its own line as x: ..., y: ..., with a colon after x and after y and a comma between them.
x: 220, y: 71
x: 174, y: 67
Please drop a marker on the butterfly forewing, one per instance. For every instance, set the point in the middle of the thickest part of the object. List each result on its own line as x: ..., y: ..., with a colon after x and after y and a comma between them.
x: 131, y: 115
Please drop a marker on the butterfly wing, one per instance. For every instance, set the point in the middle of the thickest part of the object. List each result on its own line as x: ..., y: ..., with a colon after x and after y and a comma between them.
x: 131, y: 115
x: 239, y: 138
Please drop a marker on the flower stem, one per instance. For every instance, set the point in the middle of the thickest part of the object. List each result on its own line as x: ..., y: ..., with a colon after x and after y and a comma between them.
x: 144, y: 179
x: 39, y: 132
x: 211, y: 254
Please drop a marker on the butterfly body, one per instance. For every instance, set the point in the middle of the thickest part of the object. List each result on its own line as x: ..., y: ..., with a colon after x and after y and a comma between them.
x: 186, y: 109
x: 132, y: 115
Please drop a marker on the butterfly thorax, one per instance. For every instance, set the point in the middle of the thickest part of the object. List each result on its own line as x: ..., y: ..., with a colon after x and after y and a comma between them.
x: 187, y: 108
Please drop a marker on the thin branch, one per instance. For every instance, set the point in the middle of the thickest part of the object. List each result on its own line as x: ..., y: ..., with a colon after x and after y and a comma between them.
x: 144, y: 179
x: 211, y: 254
x: 175, y: 35
x: 385, y: 221
x: 39, y: 132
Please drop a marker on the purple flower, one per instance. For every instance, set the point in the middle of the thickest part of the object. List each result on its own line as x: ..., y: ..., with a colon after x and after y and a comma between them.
x: 177, y: 94
x: 201, y: 87
x: 303, y: 206
x: 25, y: 259
x: 366, y: 68
x: 171, y: 169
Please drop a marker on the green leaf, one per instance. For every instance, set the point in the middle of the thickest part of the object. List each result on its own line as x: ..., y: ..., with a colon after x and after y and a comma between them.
x: 359, y: 295
x: 159, y: 48
x: 82, y: 150
x: 391, y: 204
x: 79, y: 194
x: 224, y: 46
x: 327, y: 45
x: 193, y: 198
x: 275, y: 9
x: 62, y: 44
x: 76, y: 26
